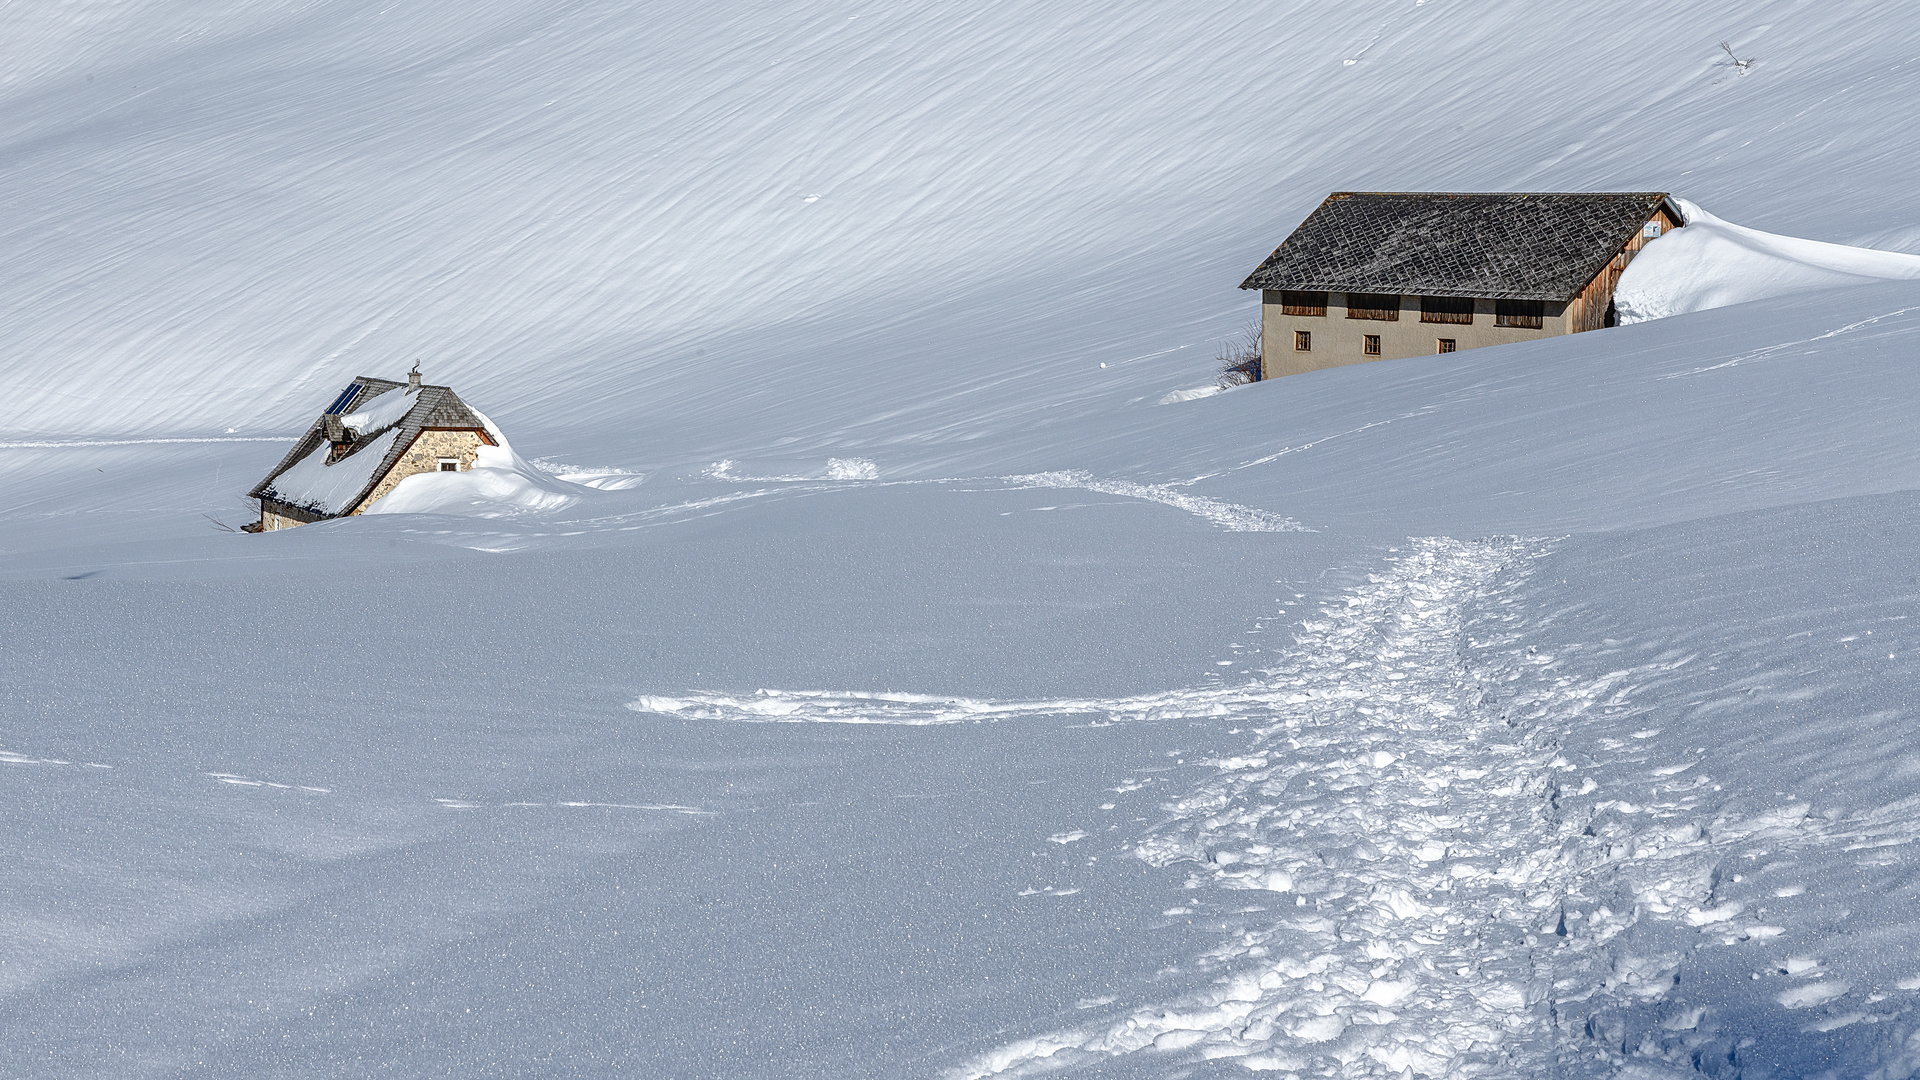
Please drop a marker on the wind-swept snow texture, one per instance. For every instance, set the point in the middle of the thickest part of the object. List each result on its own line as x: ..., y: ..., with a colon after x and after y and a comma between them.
x: 880, y: 664
x: 667, y: 221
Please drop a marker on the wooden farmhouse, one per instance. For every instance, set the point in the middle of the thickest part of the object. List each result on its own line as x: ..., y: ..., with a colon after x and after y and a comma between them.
x: 374, y: 435
x: 1374, y: 275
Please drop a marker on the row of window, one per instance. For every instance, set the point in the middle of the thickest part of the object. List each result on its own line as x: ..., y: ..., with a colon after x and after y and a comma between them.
x: 1525, y: 314
x: 1369, y: 343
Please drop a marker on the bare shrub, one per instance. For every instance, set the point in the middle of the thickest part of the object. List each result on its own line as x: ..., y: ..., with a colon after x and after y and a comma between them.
x: 1240, y: 358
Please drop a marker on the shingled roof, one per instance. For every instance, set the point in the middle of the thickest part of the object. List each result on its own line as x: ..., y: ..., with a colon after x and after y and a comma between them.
x: 1506, y: 246
x: 433, y: 407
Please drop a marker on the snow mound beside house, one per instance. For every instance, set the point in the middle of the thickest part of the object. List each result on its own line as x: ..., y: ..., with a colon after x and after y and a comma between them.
x: 1713, y: 263
x: 499, y: 484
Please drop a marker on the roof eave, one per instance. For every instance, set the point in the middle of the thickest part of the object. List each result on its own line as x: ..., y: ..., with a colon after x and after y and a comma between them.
x: 1655, y: 200
x: 1415, y: 289
x: 1659, y: 199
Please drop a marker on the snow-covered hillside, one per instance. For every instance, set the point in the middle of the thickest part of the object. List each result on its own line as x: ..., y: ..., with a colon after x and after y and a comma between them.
x: 867, y: 662
x: 666, y: 222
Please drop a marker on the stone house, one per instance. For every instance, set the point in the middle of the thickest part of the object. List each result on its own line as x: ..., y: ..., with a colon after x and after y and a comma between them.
x: 374, y: 435
x: 1382, y: 275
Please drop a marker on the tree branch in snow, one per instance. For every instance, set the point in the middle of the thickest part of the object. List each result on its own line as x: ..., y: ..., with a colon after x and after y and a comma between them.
x: 1743, y: 65
x: 1240, y: 358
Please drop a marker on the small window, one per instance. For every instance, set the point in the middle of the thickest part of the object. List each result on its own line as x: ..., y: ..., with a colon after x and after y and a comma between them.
x: 1446, y: 309
x: 1650, y: 230
x: 1302, y: 341
x: 1373, y: 306
x: 1310, y: 304
x: 1370, y: 345
x: 1446, y: 345
x: 1525, y: 314
x: 448, y: 464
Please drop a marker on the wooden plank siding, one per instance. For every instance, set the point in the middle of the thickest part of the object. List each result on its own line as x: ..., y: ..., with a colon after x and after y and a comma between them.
x: 1381, y: 306
x: 1446, y: 309
x: 1307, y: 304
x: 1590, y: 309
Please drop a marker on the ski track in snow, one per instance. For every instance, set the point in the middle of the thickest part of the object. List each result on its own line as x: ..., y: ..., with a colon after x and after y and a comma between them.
x: 849, y: 474
x: 1771, y: 351
x: 65, y: 444
x: 1231, y: 517
x: 242, y: 780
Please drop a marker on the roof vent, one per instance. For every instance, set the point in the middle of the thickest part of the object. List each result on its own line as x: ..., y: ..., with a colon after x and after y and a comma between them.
x: 413, y: 377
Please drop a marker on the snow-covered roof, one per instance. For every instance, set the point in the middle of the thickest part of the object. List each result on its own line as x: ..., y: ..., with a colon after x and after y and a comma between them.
x: 381, y: 418
x: 1509, y: 246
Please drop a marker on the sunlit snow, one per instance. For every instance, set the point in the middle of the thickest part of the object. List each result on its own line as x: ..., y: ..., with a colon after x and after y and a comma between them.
x: 883, y: 651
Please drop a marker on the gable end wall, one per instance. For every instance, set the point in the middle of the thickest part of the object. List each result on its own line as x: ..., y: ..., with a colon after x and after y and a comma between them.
x: 424, y: 454
x: 1588, y: 311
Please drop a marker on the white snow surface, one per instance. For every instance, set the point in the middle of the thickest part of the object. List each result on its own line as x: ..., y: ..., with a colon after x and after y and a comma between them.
x: 870, y: 679
x: 1712, y: 263
x: 381, y: 412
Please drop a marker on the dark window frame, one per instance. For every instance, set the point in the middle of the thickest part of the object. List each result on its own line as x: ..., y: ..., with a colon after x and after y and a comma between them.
x: 1370, y: 344
x: 1447, y: 345
x: 1382, y: 307
x: 1302, y: 341
x: 1447, y: 309
x: 1520, y: 314
x: 1304, y: 305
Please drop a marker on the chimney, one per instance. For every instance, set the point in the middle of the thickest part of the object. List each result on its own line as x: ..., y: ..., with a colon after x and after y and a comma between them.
x: 413, y: 377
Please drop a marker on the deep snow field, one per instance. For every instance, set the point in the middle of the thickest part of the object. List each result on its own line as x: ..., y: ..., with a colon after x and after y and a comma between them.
x: 873, y: 660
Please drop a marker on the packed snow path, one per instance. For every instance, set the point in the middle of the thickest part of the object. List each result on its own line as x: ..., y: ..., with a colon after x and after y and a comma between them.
x: 1450, y: 852
x: 1381, y: 849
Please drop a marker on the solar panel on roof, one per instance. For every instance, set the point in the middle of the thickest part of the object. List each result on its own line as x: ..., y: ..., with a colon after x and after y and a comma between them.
x: 345, y: 399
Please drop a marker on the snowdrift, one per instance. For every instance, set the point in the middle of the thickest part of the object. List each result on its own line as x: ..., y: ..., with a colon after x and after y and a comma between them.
x: 1713, y: 263
x: 499, y: 483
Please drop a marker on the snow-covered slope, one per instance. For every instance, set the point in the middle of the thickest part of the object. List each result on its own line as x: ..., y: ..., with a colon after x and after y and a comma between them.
x: 658, y: 221
x: 846, y: 674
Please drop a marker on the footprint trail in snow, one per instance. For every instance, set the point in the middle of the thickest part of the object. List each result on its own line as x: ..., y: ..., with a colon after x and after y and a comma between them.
x: 1409, y: 876
x: 1392, y: 826
x: 1390, y: 830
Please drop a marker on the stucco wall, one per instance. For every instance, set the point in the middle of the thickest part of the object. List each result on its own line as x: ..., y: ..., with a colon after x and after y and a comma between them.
x: 424, y: 455
x: 1338, y: 340
x: 269, y: 521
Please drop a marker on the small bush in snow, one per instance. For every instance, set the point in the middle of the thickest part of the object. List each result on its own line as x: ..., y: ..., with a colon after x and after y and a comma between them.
x: 1240, y: 358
